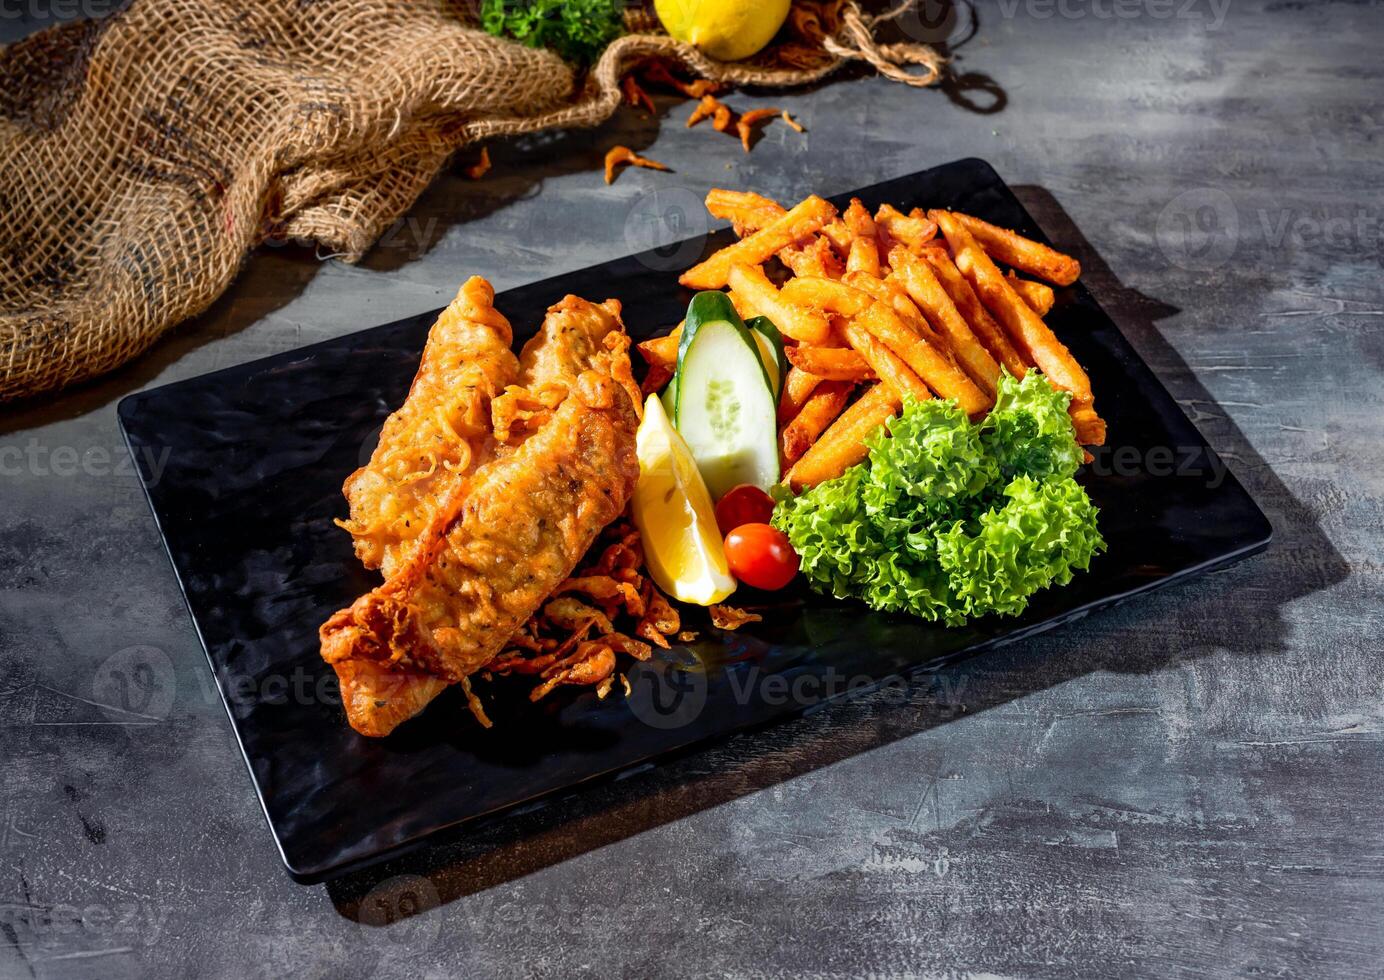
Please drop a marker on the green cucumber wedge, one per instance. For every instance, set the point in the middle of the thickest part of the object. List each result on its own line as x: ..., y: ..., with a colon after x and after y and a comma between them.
x: 770, y: 352
x: 725, y: 405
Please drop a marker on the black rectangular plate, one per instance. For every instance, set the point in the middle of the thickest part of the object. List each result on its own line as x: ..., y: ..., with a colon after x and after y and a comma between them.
x: 256, y: 455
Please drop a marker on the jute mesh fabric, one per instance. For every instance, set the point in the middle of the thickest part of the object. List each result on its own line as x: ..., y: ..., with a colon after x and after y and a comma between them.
x: 142, y: 156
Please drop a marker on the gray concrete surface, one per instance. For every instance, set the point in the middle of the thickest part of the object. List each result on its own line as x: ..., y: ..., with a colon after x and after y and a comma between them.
x: 1185, y: 786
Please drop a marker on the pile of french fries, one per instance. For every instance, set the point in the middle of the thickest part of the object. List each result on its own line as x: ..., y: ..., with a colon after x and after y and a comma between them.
x: 881, y: 306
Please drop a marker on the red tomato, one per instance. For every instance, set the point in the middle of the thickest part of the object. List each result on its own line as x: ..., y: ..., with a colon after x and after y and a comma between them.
x: 761, y: 556
x: 743, y: 504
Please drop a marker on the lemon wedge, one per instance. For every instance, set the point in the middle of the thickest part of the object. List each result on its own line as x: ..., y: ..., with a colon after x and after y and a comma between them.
x: 672, y: 509
x: 727, y: 30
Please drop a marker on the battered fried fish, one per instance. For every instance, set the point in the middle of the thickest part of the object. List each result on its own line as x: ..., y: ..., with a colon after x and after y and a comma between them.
x: 502, y: 543
x: 441, y: 432
x: 379, y: 695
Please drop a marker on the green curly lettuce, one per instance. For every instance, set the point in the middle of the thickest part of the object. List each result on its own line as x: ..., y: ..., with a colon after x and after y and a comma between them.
x: 578, y: 30
x: 1028, y: 432
x: 949, y: 519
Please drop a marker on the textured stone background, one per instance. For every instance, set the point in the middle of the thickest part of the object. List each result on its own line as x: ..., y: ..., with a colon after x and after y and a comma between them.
x: 1186, y: 785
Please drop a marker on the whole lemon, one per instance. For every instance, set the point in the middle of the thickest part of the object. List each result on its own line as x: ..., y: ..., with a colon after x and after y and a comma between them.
x: 723, y: 29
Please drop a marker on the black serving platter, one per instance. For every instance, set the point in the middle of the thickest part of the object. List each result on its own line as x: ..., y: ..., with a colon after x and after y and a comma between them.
x: 256, y: 455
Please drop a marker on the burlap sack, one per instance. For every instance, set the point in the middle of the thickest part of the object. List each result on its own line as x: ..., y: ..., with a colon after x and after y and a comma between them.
x: 143, y: 155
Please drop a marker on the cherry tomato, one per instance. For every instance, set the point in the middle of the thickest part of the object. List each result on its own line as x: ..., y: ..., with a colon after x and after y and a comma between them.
x: 760, y: 555
x: 743, y: 504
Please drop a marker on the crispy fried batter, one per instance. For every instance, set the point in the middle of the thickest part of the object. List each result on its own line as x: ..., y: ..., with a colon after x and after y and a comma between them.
x: 730, y: 618
x: 440, y: 433
x: 379, y: 695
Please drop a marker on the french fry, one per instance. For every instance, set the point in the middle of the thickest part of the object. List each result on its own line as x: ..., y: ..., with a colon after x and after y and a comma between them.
x: 829, y: 295
x: 661, y: 351
x: 1022, y: 253
x: 798, y: 387
x: 748, y: 212
x: 917, y: 277
x: 1039, y: 296
x: 813, y: 258
x: 982, y: 324
x: 745, y: 209
x: 800, y: 221
x: 925, y: 361
x: 657, y: 376
x: 1025, y: 327
x: 754, y: 289
x: 1090, y: 427
x: 894, y: 294
x: 892, y: 369
x: 864, y: 252
x: 913, y: 230
x: 839, y: 235
x: 842, y: 445
x: 819, y: 412
x: 830, y: 363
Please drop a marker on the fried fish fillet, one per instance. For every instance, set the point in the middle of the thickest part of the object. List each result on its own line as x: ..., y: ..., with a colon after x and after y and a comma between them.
x: 378, y: 696
x: 441, y: 432
x: 501, y: 544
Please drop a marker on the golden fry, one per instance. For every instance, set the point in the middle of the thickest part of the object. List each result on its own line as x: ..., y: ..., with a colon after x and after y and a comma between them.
x: 839, y: 235
x: 798, y: 387
x: 830, y: 295
x: 982, y: 324
x: 864, y: 252
x: 1090, y: 427
x: 892, y: 369
x: 815, y: 258
x: 1025, y: 327
x: 1039, y: 296
x: 802, y: 220
x: 891, y: 292
x: 753, y: 289
x: 913, y: 230
x: 917, y: 277
x: 819, y: 412
x: 927, y: 362
x: 831, y: 363
x: 661, y: 351
x: 842, y: 445
x: 746, y: 210
x: 1014, y: 249
x: 793, y: 123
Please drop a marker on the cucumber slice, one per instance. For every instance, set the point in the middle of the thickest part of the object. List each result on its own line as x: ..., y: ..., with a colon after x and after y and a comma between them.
x: 725, y: 402
x: 669, y: 398
x: 770, y: 352
x: 709, y: 306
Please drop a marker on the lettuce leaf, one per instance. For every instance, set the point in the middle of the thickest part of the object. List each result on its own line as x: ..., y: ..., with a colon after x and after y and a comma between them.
x: 949, y: 519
